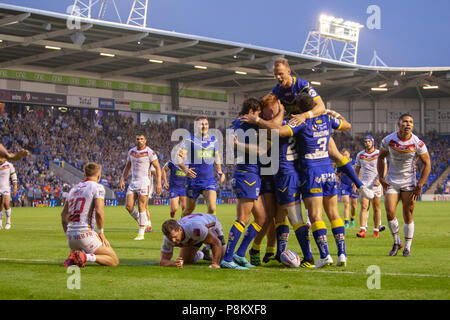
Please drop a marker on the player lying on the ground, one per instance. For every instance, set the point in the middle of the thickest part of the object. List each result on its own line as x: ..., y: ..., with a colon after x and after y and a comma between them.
x: 81, y: 212
x: 189, y: 233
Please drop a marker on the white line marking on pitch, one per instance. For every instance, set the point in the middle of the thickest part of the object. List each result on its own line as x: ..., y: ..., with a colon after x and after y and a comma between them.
x: 281, y: 269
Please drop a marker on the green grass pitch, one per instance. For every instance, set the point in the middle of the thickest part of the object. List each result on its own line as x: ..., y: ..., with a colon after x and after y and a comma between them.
x: 31, y: 254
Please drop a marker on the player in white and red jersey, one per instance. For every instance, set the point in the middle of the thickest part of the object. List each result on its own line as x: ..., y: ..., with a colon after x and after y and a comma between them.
x: 7, y: 172
x: 402, y: 148
x: 82, y: 211
x: 139, y: 161
x: 189, y: 233
x: 366, y: 169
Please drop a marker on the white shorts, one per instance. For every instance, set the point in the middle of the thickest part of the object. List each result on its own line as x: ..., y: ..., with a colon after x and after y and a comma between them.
x: 5, y: 192
x: 142, y: 188
x: 87, y: 241
x: 397, y: 188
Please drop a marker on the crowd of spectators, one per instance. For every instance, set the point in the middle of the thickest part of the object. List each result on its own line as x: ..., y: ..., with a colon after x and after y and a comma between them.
x: 78, y: 136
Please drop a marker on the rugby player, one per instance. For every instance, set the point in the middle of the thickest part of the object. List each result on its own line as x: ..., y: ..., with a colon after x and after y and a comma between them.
x: 246, y: 185
x: 139, y: 160
x: 83, y: 210
x: 402, y: 148
x: 366, y: 169
x: 7, y: 173
x: 176, y: 186
x: 189, y: 233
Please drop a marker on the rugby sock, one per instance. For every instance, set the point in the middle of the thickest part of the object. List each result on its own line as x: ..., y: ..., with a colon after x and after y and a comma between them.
x: 135, y: 214
x: 233, y: 238
x: 282, y: 231
x: 408, y: 230
x: 142, y: 222
x: 338, y: 229
x: 302, y: 234
x: 8, y: 216
x: 250, y: 234
x: 394, y: 227
x: 90, y: 257
x: 271, y: 250
x: 1, y: 217
x: 319, y: 231
x: 346, y: 166
x: 256, y: 246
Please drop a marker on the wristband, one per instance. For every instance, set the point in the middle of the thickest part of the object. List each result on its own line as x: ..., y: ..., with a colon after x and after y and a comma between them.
x: 257, y: 119
x: 310, y: 114
x: 100, y: 231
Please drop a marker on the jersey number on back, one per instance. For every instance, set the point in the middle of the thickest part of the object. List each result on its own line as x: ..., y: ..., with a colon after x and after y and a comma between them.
x: 76, y: 207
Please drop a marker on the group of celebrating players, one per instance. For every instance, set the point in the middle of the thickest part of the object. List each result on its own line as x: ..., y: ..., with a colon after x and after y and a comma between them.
x: 284, y: 156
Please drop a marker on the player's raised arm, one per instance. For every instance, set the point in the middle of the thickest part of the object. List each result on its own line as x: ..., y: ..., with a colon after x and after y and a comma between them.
x: 317, y: 110
x: 344, y: 125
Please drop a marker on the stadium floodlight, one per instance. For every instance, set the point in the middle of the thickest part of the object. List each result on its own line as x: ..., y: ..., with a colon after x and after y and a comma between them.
x: 52, y: 48
x: 430, y: 87
x: 316, y: 83
x: 155, y: 61
x: 104, y: 54
x: 240, y: 72
x: 201, y: 67
x: 379, y: 89
x: 320, y: 41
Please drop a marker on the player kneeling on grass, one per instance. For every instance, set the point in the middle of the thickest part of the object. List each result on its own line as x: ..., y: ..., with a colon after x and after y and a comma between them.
x: 82, y: 210
x: 189, y: 233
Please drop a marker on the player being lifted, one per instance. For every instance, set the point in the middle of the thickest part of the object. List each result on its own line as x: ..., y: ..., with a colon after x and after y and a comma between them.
x: 189, y: 233
x: 286, y: 90
x: 402, y: 148
x: 348, y: 193
x: 7, y: 172
x: 287, y: 185
x: 83, y: 210
x: 366, y: 168
x: 176, y: 186
x: 139, y: 160
x: 246, y: 184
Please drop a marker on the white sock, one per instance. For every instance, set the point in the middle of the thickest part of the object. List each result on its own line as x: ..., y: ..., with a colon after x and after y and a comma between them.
x: 8, y: 216
x: 135, y: 214
x: 408, y: 230
x: 394, y: 227
x: 199, y: 256
x: 1, y: 215
x: 90, y: 257
x: 142, y: 222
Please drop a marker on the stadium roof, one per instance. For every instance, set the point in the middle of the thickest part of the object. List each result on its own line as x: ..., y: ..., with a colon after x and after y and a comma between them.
x: 41, y: 40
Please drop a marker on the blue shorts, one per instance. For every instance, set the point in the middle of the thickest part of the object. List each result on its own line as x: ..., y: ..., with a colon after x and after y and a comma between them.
x: 318, y: 181
x: 246, y: 185
x: 194, y: 188
x: 177, y: 192
x: 287, y: 188
x: 347, y: 190
x: 267, y: 184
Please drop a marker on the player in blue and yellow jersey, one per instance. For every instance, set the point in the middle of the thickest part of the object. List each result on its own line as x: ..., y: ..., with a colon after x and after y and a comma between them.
x: 176, y: 186
x: 317, y: 177
x: 246, y: 184
x: 287, y: 89
x: 198, y: 157
x: 287, y: 192
x: 349, y: 194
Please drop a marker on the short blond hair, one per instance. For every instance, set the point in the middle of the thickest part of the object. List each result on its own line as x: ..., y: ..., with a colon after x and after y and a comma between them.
x: 282, y: 61
x: 91, y: 169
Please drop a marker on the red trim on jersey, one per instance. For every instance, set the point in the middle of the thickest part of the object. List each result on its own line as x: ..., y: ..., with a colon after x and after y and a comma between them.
x: 410, y: 136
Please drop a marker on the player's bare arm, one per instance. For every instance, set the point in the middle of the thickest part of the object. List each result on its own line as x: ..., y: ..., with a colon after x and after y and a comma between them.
x: 425, y: 158
x: 381, y: 168
x: 166, y: 260
x: 99, y: 205
x: 125, y: 173
x: 157, y: 167
x: 345, y: 125
x: 317, y: 110
x: 218, y: 166
x: 181, y: 158
x: 164, y: 171
x: 65, y: 216
x: 216, y: 247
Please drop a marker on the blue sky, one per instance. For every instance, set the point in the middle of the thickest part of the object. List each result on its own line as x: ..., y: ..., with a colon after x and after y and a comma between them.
x: 413, y: 33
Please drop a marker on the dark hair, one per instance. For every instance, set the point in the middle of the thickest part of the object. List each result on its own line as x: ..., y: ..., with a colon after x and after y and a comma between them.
x: 405, y: 115
x: 140, y: 133
x: 168, y: 226
x: 201, y: 118
x: 250, y: 104
x: 304, y: 102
